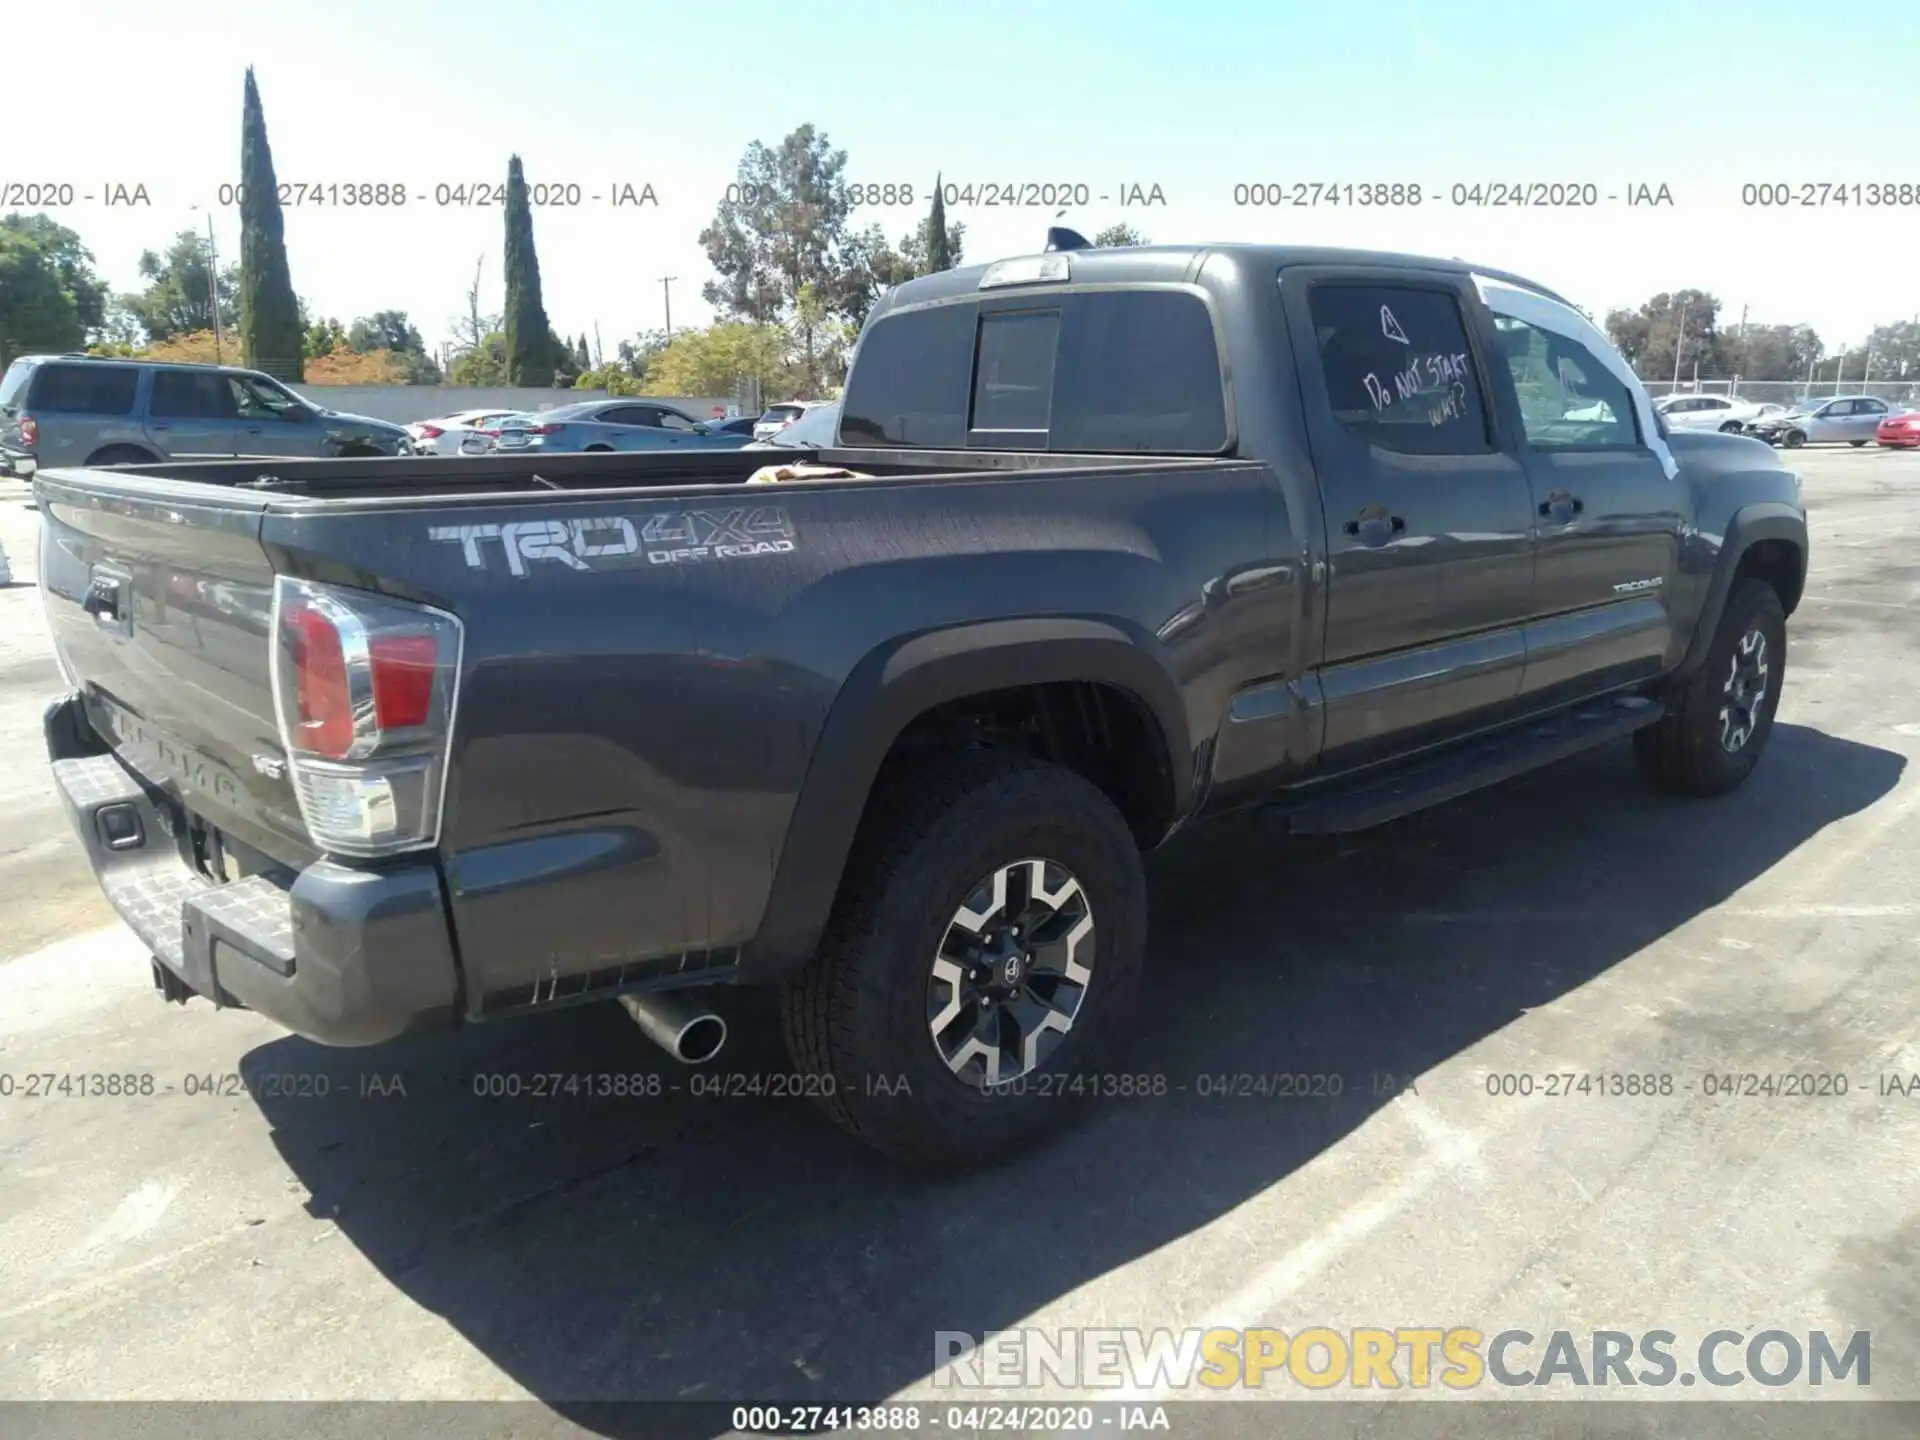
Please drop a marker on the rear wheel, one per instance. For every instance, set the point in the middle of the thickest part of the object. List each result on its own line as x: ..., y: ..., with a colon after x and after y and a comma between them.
x: 982, y: 963
x: 599, y: 449
x: 1717, y: 723
x: 1856, y: 443
x: 121, y: 455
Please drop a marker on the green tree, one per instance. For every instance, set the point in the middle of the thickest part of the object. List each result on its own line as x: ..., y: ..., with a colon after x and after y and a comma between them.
x: 712, y: 361
x: 176, y: 299
x: 1118, y: 235
x: 323, y: 337
x: 786, y: 229
x: 638, y: 354
x: 1772, y: 352
x: 391, y: 330
x: 582, y: 360
x: 1689, y: 319
x: 482, y: 366
x: 71, y: 260
x: 943, y: 251
x: 611, y: 377
x: 37, y: 311
x: 270, y: 330
x: 530, y: 342
x: 1896, y: 351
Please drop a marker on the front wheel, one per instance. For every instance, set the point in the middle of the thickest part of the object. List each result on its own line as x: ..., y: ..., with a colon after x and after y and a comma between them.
x: 1717, y: 723
x: 982, y: 963
x: 1795, y: 439
x: 1732, y: 427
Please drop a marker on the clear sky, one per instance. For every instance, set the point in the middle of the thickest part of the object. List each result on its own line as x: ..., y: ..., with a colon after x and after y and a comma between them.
x: 1195, y: 99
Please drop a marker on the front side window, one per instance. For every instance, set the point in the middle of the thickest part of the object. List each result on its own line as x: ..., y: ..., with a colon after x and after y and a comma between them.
x: 255, y: 400
x: 1569, y: 400
x: 1399, y: 368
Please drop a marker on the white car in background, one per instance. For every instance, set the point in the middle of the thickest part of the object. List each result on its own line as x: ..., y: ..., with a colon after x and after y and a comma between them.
x: 778, y: 417
x: 442, y: 436
x: 1712, y: 412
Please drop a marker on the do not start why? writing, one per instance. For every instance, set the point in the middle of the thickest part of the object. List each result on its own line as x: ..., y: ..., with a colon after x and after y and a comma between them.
x: 1441, y: 378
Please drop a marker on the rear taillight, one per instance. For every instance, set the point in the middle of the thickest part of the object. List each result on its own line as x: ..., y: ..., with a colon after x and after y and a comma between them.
x: 29, y: 430
x: 431, y: 432
x: 363, y: 690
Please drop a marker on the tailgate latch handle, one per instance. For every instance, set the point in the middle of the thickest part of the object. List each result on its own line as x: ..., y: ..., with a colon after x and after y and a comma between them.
x: 106, y: 594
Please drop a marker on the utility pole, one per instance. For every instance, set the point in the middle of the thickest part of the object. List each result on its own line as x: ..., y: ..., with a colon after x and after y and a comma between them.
x: 665, y: 282
x: 599, y: 355
x: 213, y: 290
x: 1679, y: 343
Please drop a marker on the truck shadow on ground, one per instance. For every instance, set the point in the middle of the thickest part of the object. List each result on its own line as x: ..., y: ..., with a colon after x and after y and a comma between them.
x: 697, y: 1248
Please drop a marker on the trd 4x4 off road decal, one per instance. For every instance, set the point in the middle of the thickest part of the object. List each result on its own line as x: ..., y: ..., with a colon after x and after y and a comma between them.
x: 674, y: 537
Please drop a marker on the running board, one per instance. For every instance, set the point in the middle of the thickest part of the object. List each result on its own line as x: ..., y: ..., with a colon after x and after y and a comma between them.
x: 1461, y: 769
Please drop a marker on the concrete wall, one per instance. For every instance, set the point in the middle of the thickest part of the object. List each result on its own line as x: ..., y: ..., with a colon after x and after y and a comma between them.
x: 404, y: 404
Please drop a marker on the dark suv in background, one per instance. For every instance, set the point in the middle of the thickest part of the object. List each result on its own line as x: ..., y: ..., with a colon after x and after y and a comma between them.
x: 80, y: 410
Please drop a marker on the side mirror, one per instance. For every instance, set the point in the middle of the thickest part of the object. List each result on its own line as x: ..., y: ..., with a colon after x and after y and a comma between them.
x: 298, y: 413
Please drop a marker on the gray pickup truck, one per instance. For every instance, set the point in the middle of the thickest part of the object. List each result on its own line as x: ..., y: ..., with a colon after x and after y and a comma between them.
x: 1133, y: 538
x: 58, y: 410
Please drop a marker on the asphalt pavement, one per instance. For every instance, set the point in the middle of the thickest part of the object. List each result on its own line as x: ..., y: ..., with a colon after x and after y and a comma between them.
x: 265, y: 1219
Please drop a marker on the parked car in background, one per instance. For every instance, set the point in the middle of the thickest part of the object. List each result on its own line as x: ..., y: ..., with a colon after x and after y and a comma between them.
x: 1853, y: 419
x: 442, y: 436
x: 812, y: 431
x: 606, y: 425
x: 1900, y: 431
x: 1713, y: 412
x: 741, y: 425
x: 87, y: 410
x: 777, y: 417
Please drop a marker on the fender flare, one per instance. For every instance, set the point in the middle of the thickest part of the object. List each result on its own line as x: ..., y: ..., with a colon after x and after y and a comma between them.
x: 896, y: 683
x: 1751, y: 524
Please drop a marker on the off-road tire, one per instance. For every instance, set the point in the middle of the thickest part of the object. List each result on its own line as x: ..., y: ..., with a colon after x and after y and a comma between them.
x: 856, y: 1017
x: 1685, y: 751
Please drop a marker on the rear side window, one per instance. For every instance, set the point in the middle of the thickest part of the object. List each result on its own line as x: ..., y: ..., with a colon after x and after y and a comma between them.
x: 15, y: 382
x: 1115, y: 372
x: 85, y: 389
x: 1399, y: 368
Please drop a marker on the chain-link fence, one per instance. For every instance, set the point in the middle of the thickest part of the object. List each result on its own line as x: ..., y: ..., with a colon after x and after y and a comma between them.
x: 1791, y: 392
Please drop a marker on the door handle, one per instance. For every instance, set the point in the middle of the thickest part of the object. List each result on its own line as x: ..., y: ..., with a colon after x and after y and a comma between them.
x: 1562, y: 500
x: 1374, y: 518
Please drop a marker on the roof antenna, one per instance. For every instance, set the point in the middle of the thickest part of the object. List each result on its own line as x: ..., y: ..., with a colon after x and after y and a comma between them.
x: 1059, y: 237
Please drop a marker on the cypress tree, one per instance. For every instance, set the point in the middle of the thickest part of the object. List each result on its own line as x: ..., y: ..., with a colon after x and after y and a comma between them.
x: 580, y: 355
x: 530, y: 344
x: 939, y: 257
x: 271, y: 336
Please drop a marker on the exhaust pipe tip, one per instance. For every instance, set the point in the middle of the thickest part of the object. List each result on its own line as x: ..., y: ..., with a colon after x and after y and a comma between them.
x: 689, y: 1032
x: 700, y: 1039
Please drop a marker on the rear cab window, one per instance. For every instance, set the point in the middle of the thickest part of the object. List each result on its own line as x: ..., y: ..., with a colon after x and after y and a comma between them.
x: 1124, y: 371
x: 85, y: 389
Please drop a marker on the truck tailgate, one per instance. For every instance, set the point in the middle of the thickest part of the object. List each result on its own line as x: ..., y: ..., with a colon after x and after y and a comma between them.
x: 160, y: 610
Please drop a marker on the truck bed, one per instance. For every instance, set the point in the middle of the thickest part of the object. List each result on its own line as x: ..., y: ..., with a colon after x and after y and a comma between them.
x: 422, y: 477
